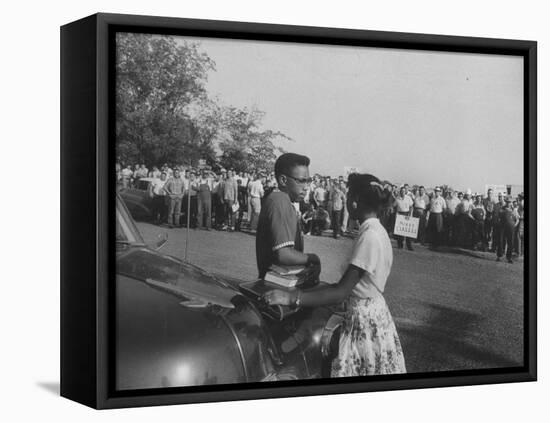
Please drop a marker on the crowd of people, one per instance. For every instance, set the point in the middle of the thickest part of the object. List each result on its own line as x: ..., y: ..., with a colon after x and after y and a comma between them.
x: 223, y: 200
x: 232, y: 201
x: 491, y: 222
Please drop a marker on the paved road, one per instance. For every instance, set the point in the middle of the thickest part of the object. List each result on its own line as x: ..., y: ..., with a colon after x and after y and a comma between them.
x: 452, y: 311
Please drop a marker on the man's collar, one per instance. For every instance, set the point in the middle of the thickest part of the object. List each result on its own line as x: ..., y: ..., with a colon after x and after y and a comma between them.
x: 284, y: 192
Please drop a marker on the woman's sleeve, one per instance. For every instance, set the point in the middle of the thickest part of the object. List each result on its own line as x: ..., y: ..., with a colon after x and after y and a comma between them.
x: 365, y: 253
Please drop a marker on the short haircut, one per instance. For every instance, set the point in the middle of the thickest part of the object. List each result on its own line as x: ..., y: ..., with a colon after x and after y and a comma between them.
x: 288, y: 161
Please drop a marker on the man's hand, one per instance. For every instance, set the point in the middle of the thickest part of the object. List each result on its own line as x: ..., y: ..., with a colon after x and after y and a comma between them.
x: 313, y: 259
x: 279, y: 297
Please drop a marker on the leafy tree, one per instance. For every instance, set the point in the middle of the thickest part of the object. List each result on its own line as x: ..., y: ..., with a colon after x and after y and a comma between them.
x: 245, y: 146
x: 158, y: 81
x: 206, y: 125
x: 164, y: 115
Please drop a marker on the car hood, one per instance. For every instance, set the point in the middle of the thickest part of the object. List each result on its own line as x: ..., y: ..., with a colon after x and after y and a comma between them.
x: 193, y: 285
x: 178, y: 325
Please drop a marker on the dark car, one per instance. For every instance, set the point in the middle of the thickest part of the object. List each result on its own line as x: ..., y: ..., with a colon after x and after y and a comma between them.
x: 139, y: 199
x: 178, y: 325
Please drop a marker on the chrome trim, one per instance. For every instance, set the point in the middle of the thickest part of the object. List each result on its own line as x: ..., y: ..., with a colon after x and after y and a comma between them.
x: 334, y: 322
x: 239, y: 346
x: 188, y: 294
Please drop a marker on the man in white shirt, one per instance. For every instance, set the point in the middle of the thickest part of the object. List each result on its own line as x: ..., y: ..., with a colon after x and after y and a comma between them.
x: 320, y: 194
x: 143, y: 171
x: 155, y: 173
x: 166, y: 169
x: 435, y: 218
x: 255, y: 194
x: 184, y: 176
x: 338, y: 199
x: 160, y: 205
x: 408, y: 191
x: 127, y: 175
x: 404, y: 205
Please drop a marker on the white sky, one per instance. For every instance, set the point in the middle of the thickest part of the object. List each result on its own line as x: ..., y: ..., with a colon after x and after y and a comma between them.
x: 407, y: 116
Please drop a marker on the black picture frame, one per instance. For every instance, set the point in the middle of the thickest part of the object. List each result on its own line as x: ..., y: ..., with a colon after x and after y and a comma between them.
x: 87, y: 127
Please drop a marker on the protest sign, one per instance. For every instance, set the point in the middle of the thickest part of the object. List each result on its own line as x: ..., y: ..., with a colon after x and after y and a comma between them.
x: 406, y: 226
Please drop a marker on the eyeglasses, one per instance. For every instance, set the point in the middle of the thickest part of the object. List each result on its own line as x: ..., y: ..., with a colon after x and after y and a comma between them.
x: 301, y: 181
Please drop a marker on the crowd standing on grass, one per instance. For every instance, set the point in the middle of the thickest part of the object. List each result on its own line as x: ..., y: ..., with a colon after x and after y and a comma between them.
x: 231, y: 201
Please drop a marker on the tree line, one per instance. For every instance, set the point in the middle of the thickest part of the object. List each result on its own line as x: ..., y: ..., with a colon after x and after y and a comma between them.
x: 165, y: 115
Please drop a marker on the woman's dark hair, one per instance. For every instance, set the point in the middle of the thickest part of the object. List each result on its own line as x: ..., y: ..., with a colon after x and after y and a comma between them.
x: 287, y: 161
x: 370, y: 192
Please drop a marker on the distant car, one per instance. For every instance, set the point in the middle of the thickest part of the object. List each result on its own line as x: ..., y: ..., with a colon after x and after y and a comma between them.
x: 139, y: 200
x: 178, y: 325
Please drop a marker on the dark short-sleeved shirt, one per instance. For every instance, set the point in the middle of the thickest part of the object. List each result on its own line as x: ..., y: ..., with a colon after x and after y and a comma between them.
x: 489, y: 205
x: 496, y: 213
x: 507, y: 218
x: 278, y: 227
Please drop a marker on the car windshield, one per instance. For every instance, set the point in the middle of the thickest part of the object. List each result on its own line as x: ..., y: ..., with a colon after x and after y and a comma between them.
x: 126, y: 231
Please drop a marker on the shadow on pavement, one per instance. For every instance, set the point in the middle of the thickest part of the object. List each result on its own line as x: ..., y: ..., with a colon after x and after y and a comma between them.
x: 483, y: 255
x: 444, y: 341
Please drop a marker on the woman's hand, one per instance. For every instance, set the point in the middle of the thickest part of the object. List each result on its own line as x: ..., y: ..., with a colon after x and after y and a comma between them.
x: 278, y: 297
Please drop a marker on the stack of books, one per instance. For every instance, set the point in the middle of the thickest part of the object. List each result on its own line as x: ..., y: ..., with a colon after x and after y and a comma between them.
x: 287, y: 276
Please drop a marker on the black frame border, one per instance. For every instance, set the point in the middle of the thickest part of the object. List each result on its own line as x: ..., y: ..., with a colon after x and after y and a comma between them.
x: 95, y: 385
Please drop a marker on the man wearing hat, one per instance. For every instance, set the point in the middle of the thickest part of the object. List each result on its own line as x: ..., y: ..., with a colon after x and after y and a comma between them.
x: 508, y: 219
x: 435, y: 218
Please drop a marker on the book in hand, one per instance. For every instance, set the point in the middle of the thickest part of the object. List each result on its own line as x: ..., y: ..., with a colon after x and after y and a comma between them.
x: 287, y: 270
x: 287, y: 281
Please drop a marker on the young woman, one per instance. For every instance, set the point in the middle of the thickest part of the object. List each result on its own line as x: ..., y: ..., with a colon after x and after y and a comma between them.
x: 369, y: 343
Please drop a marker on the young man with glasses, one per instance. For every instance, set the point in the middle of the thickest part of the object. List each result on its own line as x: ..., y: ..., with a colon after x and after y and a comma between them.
x: 279, y: 237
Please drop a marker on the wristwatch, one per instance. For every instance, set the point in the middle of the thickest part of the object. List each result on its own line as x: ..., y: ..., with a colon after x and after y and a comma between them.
x: 298, y: 299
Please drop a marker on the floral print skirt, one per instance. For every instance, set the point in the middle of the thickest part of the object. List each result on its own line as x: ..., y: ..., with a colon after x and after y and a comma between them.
x: 369, y: 344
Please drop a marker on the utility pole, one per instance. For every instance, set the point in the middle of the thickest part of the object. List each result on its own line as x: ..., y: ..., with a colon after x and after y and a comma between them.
x: 188, y: 220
